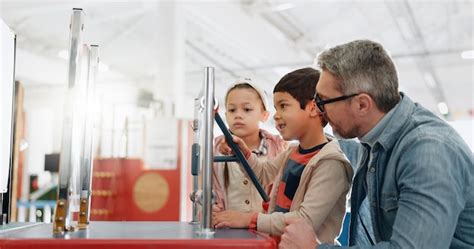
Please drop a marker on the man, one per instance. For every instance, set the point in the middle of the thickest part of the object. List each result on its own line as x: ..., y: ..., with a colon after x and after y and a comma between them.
x: 414, y: 175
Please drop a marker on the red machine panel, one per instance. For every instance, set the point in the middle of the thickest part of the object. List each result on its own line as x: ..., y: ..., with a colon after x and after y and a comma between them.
x: 124, y: 191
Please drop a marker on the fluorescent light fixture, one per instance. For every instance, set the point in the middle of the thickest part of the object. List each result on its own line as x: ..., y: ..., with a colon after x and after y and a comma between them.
x: 283, y: 6
x: 63, y: 54
x: 103, y: 67
x: 430, y: 80
x: 468, y: 54
x: 443, y: 108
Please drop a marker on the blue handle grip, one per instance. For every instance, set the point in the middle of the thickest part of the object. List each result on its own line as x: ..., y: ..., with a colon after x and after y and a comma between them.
x: 223, y: 159
x: 195, y: 150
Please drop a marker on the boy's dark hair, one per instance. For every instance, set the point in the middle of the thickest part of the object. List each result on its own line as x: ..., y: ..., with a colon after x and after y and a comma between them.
x: 300, y: 84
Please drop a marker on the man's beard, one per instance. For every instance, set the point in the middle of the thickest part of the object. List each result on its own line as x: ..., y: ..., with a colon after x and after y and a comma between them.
x: 342, y: 135
x: 336, y: 134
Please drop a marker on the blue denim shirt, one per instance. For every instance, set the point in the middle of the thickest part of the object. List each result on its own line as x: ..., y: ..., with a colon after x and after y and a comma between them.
x: 362, y: 227
x: 420, y: 183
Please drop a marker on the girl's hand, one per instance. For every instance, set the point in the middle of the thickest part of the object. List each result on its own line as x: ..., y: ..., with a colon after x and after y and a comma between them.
x: 225, y: 149
x: 231, y: 218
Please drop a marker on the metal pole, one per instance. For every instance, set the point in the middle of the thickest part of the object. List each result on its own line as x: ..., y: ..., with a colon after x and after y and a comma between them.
x: 206, y: 228
x: 195, y: 156
x: 87, y: 157
x: 62, y: 216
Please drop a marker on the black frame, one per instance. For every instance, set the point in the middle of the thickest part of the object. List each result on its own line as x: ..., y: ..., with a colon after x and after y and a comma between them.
x: 320, y: 103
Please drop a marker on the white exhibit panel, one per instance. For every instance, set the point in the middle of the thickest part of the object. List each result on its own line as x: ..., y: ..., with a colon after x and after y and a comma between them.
x: 7, y: 65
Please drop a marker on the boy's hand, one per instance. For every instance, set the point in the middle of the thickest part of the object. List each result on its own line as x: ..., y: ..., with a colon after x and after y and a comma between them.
x: 298, y: 234
x: 225, y: 149
x: 231, y: 218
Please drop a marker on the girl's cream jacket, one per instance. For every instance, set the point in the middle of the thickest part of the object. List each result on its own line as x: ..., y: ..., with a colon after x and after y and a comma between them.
x: 241, y: 195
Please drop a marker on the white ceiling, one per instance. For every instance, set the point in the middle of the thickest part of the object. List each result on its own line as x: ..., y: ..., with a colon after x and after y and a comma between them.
x: 257, y: 38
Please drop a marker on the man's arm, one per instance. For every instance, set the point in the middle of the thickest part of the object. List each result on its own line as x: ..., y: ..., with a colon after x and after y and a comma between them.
x: 430, y: 197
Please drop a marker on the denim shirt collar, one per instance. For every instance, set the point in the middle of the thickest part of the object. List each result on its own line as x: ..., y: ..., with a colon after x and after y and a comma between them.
x: 386, y: 129
x: 372, y: 136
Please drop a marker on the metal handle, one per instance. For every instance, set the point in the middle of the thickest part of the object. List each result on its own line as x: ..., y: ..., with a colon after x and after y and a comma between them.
x: 223, y: 159
x: 240, y: 156
x: 195, y: 150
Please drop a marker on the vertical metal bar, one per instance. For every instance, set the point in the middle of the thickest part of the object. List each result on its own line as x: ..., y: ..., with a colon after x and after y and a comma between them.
x: 87, y: 157
x: 11, y: 212
x: 195, y: 156
x: 62, y: 217
x: 208, y: 151
x: 195, y: 218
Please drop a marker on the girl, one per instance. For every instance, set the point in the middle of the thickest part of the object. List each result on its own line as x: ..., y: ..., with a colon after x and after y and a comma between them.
x: 246, y: 106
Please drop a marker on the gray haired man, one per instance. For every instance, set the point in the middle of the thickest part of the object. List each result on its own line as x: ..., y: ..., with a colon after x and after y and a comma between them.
x: 414, y: 180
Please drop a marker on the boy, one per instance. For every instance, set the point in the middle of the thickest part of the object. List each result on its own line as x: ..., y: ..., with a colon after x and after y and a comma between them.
x: 311, y: 179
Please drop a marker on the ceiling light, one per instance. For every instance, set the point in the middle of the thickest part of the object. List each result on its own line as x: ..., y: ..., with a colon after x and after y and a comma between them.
x: 443, y: 108
x: 63, y: 54
x: 468, y: 54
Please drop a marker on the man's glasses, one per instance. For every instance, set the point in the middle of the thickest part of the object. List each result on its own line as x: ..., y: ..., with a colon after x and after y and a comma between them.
x: 320, y: 103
